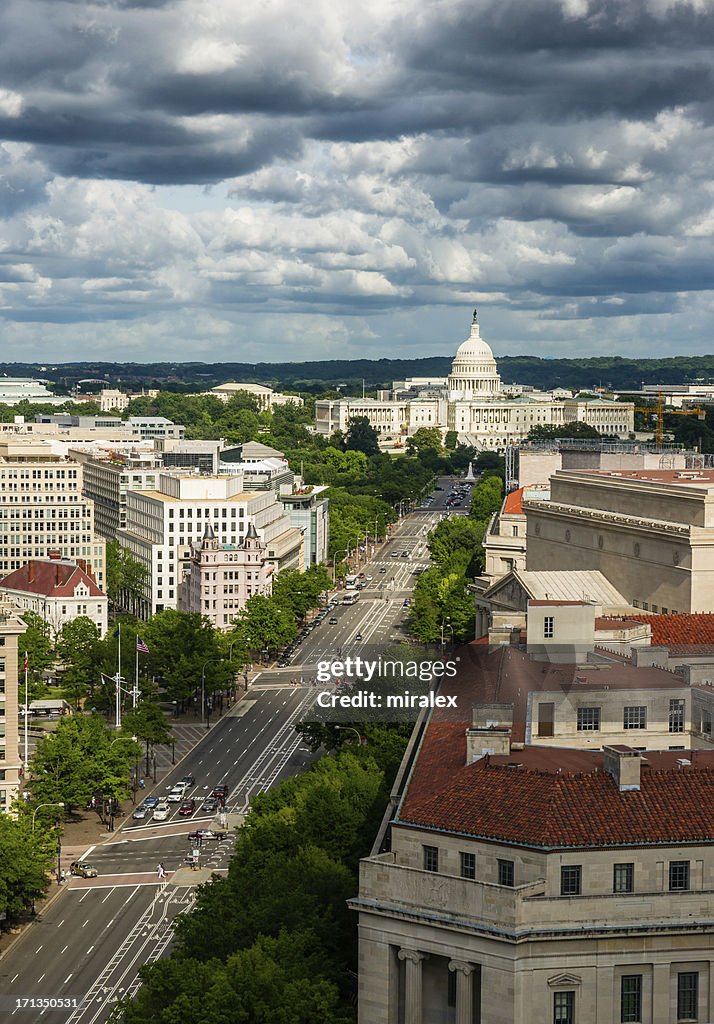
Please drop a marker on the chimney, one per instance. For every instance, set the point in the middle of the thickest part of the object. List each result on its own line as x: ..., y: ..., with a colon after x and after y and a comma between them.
x: 54, y: 555
x: 81, y: 562
x: 490, y: 731
x: 623, y: 763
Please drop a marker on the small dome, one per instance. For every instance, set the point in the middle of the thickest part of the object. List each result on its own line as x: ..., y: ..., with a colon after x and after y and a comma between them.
x: 473, y: 372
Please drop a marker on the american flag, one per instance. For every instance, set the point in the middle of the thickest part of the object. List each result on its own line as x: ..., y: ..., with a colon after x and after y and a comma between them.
x: 141, y: 646
x: 26, y: 662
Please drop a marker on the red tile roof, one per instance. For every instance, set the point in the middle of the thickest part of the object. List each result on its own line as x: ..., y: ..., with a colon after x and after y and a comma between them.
x: 680, y: 630
x: 553, y: 809
x: 51, y: 578
x: 514, y: 502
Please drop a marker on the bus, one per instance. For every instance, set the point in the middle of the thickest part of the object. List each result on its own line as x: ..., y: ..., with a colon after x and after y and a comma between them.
x: 351, y: 597
x: 350, y: 581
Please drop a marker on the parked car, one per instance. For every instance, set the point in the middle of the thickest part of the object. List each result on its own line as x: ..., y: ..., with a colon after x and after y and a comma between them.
x: 187, y: 808
x: 161, y: 811
x: 140, y: 812
x: 206, y: 833
x: 82, y: 869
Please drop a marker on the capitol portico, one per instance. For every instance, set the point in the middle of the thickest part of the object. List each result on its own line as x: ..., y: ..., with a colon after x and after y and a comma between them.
x: 472, y: 402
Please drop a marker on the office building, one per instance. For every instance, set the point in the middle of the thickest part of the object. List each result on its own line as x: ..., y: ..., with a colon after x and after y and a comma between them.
x: 43, y: 509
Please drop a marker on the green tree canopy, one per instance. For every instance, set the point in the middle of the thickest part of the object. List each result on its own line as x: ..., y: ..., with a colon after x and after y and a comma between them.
x: 361, y: 436
x: 486, y: 498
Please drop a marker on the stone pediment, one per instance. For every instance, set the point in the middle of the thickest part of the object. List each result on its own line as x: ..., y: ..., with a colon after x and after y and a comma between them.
x: 565, y: 981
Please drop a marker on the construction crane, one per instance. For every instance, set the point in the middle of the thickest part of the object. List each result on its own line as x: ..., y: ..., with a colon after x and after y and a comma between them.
x: 659, y: 413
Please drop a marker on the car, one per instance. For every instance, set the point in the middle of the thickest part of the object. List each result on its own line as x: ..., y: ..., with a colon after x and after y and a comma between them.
x: 406, y: 602
x: 382, y: 570
x: 151, y: 802
x: 220, y: 792
x: 206, y: 833
x: 187, y: 808
x: 395, y: 554
x: 369, y: 578
x: 140, y: 812
x: 176, y: 795
x: 283, y: 663
x: 162, y: 811
x: 359, y: 637
x: 333, y: 620
x: 405, y: 554
x: 438, y: 488
x: 188, y: 781
x: 209, y: 804
x: 82, y: 869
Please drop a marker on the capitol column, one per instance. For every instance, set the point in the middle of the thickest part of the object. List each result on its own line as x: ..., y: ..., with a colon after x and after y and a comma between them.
x: 412, y: 984
x: 464, y: 991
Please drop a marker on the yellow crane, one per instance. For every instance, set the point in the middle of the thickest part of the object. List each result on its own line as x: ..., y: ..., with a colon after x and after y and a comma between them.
x: 659, y: 412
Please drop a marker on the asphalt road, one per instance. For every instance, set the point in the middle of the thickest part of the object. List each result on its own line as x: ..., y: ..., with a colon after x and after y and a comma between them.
x: 89, y: 944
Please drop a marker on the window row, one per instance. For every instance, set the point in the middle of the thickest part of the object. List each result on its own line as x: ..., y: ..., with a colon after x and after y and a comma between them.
x: 631, y: 992
x: 571, y: 875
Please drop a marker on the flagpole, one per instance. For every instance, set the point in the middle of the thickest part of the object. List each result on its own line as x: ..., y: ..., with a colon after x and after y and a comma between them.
x: 135, y: 695
x: 27, y: 713
x: 118, y: 694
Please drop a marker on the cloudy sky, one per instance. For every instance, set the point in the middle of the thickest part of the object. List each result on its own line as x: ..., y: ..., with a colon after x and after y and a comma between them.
x: 267, y: 180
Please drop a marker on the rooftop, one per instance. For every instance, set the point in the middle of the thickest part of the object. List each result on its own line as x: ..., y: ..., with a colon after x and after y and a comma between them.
x: 555, y: 798
x: 52, y: 577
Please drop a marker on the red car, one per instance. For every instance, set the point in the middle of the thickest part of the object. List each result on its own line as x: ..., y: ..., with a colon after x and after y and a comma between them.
x: 187, y: 808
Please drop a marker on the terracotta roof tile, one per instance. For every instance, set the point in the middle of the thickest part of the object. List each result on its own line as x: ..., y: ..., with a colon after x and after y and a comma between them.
x: 679, y: 632
x: 51, y: 578
x: 514, y: 502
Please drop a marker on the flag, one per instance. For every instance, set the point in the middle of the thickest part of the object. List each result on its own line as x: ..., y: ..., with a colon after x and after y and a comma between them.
x: 27, y: 662
x: 117, y: 631
x: 141, y: 646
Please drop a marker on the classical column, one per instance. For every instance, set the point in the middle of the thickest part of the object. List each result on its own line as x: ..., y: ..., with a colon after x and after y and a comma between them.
x: 412, y: 985
x: 464, y: 991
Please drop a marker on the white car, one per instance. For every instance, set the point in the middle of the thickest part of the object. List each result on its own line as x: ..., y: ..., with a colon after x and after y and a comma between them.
x: 162, y: 811
x: 177, y: 794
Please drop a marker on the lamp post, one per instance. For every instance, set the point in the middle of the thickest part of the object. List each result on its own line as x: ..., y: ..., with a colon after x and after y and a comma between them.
x: 335, y: 560
x: 351, y: 728
x: 446, y: 623
x: 59, y: 839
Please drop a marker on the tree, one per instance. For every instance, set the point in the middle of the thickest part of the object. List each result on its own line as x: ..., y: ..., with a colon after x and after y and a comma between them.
x: 456, y: 545
x: 36, y: 641
x: 486, y: 498
x: 361, y: 436
x: 425, y: 439
x: 148, y: 723
x: 26, y: 856
x: 440, y: 599
x: 80, y: 759
x: 451, y: 440
x: 81, y: 652
x: 125, y: 576
x: 180, y: 645
x: 263, y: 624
x: 297, y: 591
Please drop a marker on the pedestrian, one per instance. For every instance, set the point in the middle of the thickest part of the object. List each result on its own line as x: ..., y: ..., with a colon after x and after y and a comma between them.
x: 141, y: 783
x: 161, y: 872
x: 62, y: 876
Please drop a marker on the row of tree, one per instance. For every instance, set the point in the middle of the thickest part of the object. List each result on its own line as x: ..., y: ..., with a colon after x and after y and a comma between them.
x: 286, y: 946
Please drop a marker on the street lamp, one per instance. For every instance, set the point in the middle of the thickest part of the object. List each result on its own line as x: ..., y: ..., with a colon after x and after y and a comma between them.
x: 335, y: 560
x: 59, y: 840
x: 446, y: 623
x: 351, y: 728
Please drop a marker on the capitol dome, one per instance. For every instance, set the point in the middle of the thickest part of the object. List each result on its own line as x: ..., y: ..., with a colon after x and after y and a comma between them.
x: 473, y: 371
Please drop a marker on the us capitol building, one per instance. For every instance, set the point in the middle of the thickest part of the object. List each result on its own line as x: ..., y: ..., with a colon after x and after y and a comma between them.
x: 473, y: 402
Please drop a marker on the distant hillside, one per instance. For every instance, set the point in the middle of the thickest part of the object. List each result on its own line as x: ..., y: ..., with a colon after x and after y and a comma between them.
x: 613, y: 371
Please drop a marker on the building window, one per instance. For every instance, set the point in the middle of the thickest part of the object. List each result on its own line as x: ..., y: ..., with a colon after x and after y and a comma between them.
x: 678, y: 875
x: 431, y: 858
x: 546, y: 718
x: 506, y: 874
x: 468, y: 865
x: 588, y: 719
x: 676, y: 715
x: 563, y: 1008
x: 570, y: 880
x: 631, y: 998
x: 688, y: 995
x: 623, y: 879
x: 706, y: 720
x: 548, y: 627
x: 635, y: 718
